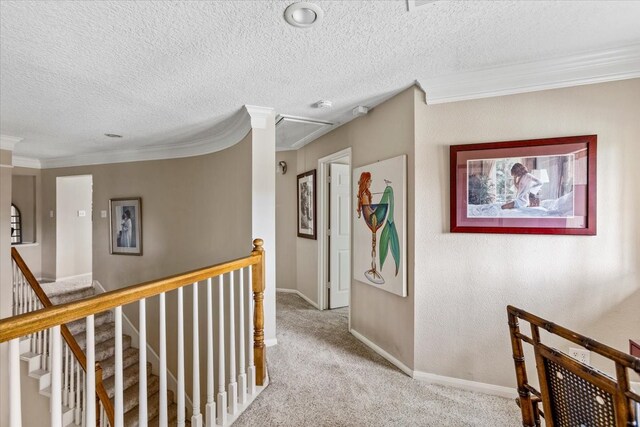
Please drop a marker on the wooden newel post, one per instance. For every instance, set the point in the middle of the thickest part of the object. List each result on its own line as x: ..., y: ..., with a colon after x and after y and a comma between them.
x: 258, y: 286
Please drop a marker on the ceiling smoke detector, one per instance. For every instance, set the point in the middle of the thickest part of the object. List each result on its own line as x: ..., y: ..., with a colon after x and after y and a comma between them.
x: 323, y: 104
x: 303, y: 14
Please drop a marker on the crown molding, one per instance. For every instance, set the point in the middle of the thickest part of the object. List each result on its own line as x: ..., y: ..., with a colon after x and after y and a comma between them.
x: 586, y: 68
x: 259, y: 115
x: 233, y: 132
x: 26, y: 162
x: 8, y: 142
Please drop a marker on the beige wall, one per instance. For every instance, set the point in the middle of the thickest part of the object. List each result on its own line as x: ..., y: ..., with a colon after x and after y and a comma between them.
x: 73, y: 232
x: 286, y: 235
x: 6, y: 297
x: 387, y: 131
x: 32, y: 253
x: 195, y: 212
x: 465, y: 281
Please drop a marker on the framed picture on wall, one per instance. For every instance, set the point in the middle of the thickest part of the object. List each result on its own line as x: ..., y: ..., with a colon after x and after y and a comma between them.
x: 307, y: 205
x: 380, y: 225
x: 125, y: 226
x: 540, y: 186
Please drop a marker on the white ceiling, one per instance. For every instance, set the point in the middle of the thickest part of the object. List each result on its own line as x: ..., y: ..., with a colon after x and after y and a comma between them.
x: 170, y: 74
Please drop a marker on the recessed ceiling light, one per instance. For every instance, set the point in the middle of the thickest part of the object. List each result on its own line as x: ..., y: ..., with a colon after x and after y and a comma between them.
x: 303, y: 14
x: 112, y: 135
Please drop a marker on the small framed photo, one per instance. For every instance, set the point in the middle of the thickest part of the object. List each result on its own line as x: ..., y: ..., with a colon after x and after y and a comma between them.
x: 307, y: 205
x: 541, y: 186
x: 125, y: 226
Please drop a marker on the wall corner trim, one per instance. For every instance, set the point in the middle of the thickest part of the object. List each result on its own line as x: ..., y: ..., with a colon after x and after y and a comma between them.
x: 474, y: 386
x: 8, y: 142
x: 300, y: 294
x: 259, y: 115
x: 404, y: 368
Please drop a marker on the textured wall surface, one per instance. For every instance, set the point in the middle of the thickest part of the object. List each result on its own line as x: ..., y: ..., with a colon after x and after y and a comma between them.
x: 161, y: 72
x: 6, y: 292
x: 465, y: 281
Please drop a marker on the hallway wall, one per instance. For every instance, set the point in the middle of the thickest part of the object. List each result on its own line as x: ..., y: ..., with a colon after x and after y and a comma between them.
x: 286, y: 219
x: 465, y: 281
x: 387, y: 131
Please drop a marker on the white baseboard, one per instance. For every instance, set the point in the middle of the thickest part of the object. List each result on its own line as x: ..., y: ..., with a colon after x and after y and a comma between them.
x: 84, y: 276
x: 295, y: 291
x: 404, y: 368
x: 478, y: 387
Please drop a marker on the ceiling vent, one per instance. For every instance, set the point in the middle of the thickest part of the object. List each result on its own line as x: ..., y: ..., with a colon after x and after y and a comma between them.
x: 295, y: 132
x: 415, y: 4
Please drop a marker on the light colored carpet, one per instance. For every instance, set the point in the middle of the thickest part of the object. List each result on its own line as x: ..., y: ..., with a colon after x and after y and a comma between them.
x: 321, y: 375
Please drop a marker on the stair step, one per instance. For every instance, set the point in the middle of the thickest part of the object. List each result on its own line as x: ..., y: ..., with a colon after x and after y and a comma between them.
x: 75, y: 295
x: 130, y: 377
x: 172, y: 415
x: 78, y: 326
x: 153, y: 402
x: 131, y: 396
x: 130, y: 356
x: 101, y: 333
x: 106, y: 349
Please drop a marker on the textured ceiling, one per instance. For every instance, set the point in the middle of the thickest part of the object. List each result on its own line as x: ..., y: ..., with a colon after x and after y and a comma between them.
x: 171, y: 72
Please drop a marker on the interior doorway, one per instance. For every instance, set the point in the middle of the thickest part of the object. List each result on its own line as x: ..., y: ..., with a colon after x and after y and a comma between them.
x: 74, y: 228
x: 334, y: 225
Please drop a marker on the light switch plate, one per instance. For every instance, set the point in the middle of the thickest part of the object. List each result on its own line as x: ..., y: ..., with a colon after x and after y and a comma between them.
x: 50, y: 214
x: 82, y: 213
x: 103, y: 214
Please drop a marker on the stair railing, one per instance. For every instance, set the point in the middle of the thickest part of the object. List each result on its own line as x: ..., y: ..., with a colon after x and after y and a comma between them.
x: 234, y: 388
x: 28, y: 296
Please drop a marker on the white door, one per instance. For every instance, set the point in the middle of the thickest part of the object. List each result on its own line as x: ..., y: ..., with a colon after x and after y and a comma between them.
x: 340, y: 252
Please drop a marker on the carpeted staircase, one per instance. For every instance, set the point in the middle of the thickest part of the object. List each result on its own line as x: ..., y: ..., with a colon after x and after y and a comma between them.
x: 104, y: 350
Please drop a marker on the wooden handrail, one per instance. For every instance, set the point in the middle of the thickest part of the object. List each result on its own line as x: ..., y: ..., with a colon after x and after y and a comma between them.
x: 66, y: 334
x: 28, y: 323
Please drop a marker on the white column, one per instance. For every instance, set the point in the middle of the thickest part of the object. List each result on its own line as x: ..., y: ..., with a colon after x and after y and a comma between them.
x: 90, y: 406
x: 233, y: 385
x: 163, y: 418
x: 210, y: 409
x: 15, y: 405
x: 196, y: 418
x: 119, y: 381
x: 221, y: 403
x: 242, y: 376
x: 142, y: 356
x: 181, y: 414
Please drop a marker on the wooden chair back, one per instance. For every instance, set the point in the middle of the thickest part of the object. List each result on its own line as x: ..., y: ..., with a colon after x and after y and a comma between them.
x: 572, y: 393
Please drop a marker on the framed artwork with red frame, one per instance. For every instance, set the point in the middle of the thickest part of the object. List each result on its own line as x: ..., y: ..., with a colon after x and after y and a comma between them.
x: 537, y: 186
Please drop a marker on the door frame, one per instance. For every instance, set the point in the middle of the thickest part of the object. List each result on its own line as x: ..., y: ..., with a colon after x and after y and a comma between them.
x: 322, y: 215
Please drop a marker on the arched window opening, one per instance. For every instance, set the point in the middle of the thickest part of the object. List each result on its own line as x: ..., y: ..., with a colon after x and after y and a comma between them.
x: 16, y: 225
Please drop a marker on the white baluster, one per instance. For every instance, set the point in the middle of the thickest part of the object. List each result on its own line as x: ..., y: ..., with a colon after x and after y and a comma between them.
x: 44, y: 361
x: 222, y: 394
x: 65, y: 375
x: 242, y: 376
x: 72, y: 370
x: 251, y: 369
x: 181, y: 414
x: 211, y: 405
x: 142, y: 356
x: 15, y: 406
x: 34, y: 336
x: 196, y: 417
x: 78, y: 412
x: 233, y: 385
x: 14, y: 289
x: 118, y: 409
x: 164, y: 419
x: 90, y: 391
x: 84, y: 401
x: 56, y: 377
